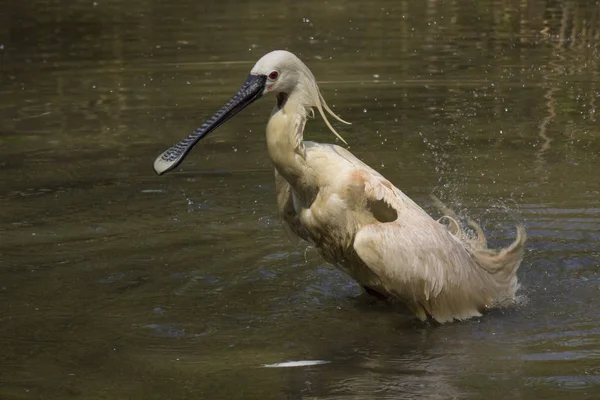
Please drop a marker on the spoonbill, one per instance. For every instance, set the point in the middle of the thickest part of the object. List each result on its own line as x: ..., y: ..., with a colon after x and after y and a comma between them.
x: 357, y: 219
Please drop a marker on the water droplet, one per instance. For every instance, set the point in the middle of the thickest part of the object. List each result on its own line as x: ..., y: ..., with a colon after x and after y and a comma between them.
x: 364, y: 110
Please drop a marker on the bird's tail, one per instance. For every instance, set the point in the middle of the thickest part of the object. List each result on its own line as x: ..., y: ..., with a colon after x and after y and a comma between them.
x: 499, y: 265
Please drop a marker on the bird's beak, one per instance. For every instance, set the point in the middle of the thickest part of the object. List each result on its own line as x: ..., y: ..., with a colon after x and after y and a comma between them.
x: 250, y: 91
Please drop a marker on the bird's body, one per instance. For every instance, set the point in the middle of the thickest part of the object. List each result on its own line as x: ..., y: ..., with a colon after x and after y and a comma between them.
x: 363, y: 224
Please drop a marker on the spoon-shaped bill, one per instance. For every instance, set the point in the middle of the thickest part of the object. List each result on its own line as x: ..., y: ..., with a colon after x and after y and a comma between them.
x: 250, y: 91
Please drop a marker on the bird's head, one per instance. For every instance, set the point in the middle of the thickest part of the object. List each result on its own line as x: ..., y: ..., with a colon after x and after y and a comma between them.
x: 279, y: 72
x: 283, y: 72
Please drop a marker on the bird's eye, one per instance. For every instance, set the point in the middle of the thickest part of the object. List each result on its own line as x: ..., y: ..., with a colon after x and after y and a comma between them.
x: 273, y: 75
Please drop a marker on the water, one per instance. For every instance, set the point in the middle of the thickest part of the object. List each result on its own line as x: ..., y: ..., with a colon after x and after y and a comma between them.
x: 118, y: 284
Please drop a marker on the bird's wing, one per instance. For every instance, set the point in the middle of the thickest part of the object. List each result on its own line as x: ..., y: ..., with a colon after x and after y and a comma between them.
x: 406, y: 248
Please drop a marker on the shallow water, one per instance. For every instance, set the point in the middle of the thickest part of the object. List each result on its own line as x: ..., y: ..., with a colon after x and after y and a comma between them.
x: 119, y: 284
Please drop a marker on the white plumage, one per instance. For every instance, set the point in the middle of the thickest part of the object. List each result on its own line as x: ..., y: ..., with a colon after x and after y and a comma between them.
x: 363, y: 224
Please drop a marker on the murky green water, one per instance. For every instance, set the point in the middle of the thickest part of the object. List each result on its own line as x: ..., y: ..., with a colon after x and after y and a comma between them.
x: 118, y: 284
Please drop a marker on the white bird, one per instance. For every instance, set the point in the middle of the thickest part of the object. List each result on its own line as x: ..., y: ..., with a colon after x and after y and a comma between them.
x: 356, y: 218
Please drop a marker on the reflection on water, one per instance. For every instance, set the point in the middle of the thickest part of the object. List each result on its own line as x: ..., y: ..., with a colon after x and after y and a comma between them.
x: 119, y: 284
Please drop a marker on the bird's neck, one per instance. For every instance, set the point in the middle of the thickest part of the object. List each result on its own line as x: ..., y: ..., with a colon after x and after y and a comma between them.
x: 284, y: 137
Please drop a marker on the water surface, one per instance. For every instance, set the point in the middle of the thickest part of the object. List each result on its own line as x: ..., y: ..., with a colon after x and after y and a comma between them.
x: 119, y: 284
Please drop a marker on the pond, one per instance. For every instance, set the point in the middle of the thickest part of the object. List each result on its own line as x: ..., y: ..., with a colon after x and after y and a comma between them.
x: 116, y: 283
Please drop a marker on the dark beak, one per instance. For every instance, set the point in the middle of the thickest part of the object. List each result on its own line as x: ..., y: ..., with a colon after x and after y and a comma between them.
x: 250, y: 91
